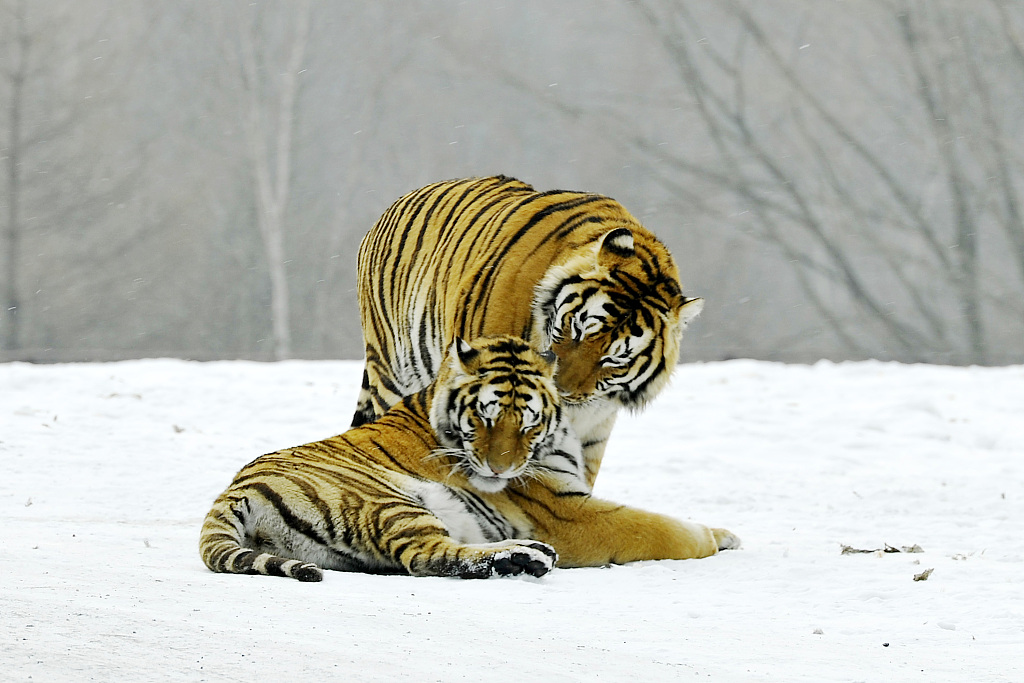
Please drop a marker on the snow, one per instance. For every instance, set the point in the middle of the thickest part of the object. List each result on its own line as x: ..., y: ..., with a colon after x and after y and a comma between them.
x: 108, y: 470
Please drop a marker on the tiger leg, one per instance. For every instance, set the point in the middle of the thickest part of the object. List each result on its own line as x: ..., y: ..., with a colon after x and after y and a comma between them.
x: 221, y: 547
x: 377, y: 393
x: 590, y: 532
x: 427, y: 531
x: 424, y: 547
x: 441, y: 556
x: 364, y: 405
x: 593, y: 426
x: 593, y: 448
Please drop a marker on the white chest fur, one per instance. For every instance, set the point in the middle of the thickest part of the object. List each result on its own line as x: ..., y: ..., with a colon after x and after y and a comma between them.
x: 592, y: 421
x: 462, y: 525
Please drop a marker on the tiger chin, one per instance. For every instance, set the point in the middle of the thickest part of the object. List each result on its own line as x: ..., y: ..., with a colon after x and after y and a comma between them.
x: 476, y: 475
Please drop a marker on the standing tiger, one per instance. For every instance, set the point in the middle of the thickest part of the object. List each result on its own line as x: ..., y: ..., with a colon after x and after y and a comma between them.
x: 475, y: 475
x: 571, y: 272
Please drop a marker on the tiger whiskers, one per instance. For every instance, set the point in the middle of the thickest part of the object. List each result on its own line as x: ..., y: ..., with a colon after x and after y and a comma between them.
x: 458, y: 458
x: 456, y: 453
x: 531, y: 473
x: 469, y: 469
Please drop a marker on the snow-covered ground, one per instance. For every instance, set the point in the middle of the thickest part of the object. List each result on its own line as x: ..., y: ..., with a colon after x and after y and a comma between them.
x: 106, y: 471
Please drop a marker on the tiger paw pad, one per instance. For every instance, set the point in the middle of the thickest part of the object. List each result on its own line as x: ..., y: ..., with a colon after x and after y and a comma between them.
x: 530, y: 557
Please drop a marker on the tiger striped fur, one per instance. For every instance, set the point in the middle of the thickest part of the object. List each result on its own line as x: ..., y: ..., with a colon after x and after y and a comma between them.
x: 566, y: 271
x: 476, y: 475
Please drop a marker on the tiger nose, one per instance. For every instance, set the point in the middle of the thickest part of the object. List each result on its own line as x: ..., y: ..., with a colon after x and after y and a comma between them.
x: 499, y: 468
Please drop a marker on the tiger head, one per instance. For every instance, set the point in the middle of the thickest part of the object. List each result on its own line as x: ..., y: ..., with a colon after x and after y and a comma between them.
x: 613, y: 314
x: 495, y: 409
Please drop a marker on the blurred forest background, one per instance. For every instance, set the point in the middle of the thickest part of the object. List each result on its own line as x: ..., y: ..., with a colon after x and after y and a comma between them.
x: 839, y: 180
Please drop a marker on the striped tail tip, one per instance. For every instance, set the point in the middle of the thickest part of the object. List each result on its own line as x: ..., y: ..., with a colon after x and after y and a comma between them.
x: 273, y: 565
x: 308, y: 573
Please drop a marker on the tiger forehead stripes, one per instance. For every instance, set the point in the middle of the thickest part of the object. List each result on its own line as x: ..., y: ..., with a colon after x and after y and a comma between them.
x: 571, y: 272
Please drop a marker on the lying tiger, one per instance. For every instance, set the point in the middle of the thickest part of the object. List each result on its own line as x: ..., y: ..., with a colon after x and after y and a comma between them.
x: 476, y: 475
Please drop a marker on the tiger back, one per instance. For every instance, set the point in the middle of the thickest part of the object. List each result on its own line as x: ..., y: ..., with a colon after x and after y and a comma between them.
x: 566, y: 271
x: 476, y: 475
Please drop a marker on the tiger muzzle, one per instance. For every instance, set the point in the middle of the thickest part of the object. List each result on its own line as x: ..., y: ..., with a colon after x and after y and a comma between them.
x: 507, y: 450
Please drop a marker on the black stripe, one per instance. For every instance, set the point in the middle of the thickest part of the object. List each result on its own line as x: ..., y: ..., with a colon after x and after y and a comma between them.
x: 397, y: 254
x: 274, y: 566
x: 389, y: 385
x: 547, y: 508
x: 292, y: 520
x: 483, y: 283
x: 485, y: 512
x: 318, y: 502
x: 399, y: 542
x: 218, y: 537
x: 382, y: 450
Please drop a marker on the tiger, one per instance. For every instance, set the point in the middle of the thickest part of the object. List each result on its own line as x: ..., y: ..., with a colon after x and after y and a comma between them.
x: 566, y: 271
x: 476, y: 475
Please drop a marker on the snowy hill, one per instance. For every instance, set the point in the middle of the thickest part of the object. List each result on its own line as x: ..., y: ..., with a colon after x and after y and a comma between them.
x: 108, y: 470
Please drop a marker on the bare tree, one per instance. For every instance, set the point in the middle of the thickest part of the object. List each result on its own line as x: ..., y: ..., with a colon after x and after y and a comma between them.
x: 18, y: 42
x: 845, y: 211
x: 49, y: 70
x: 839, y: 179
x: 888, y: 187
x: 269, y: 85
x: 373, y: 106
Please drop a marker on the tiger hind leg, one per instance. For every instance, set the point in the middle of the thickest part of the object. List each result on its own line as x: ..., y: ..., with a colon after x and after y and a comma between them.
x: 222, y: 552
x: 220, y: 546
x: 246, y: 561
x: 377, y: 394
x: 364, y: 406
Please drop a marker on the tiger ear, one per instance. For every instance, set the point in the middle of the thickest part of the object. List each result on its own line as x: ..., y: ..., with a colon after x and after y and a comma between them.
x: 690, y: 309
x: 615, y: 246
x: 463, y: 353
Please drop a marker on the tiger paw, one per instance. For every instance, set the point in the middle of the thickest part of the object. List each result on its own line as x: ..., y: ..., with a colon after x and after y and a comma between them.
x: 529, y: 557
x: 726, y: 539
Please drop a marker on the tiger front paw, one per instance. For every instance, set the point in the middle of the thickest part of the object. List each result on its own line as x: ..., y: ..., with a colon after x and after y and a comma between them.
x: 530, y: 557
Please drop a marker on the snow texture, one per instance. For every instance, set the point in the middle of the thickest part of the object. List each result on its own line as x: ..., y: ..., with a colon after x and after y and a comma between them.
x: 109, y: 469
